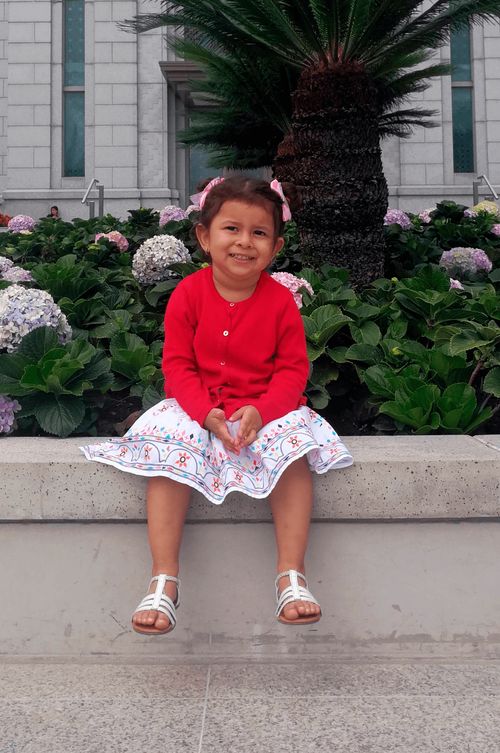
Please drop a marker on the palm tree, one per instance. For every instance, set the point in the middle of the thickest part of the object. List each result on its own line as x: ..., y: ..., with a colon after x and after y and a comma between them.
x: 311, y: 87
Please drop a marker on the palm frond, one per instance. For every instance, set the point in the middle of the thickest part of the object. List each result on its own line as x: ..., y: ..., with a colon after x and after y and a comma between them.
x: 402, y: 122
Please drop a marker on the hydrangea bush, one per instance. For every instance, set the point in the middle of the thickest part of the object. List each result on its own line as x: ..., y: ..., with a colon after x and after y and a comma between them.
x: 20, y: 223
x: 153, y: 258
x: 171, y: 213
x: 23, y: 310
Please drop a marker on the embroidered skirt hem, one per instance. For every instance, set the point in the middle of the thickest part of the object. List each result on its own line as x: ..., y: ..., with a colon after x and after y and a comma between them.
x: 165, y: 441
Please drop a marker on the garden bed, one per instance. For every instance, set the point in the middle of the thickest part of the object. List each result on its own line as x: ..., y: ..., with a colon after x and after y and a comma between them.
x: 417, y: 351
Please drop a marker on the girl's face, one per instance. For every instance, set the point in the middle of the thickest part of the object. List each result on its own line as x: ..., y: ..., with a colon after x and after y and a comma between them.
x: 241, y: 242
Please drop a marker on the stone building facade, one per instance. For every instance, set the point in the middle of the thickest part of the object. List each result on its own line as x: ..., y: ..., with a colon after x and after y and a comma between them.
x: 131, y: 96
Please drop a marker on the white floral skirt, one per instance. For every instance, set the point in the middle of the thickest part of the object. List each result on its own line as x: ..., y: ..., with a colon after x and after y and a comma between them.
x: 165, y: 441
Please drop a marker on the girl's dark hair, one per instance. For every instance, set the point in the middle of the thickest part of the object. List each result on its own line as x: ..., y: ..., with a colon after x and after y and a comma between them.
x: 251, y: 191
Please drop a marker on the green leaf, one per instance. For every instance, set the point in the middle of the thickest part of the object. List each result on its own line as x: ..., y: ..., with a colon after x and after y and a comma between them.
x: 381, y: 381
x: 491, y: 383
x: 35, y: 344
x: 33, y: 378
x: 464, y: 341
x: 151, y: 397
x: 368, y: 333
x: 457, y: 405
x: 59, y: 415
x: 338, y: 353
x: 314, y: 351
x: 129, y: 354
x: 368, y: 353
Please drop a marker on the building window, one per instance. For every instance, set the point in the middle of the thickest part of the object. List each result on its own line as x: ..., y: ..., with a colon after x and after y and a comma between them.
x: 74, y: 89
x: 462, y: 101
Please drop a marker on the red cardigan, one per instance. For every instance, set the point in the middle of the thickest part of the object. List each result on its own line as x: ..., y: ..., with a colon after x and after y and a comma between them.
x: 225, y: 355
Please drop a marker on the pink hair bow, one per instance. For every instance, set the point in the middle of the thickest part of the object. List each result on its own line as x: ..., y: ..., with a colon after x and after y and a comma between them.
x: 200, y: 198
x: 285, y: 209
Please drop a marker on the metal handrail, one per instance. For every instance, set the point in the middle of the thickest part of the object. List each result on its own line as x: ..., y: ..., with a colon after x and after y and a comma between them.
x: 475, y: 188
x: 91, y: 202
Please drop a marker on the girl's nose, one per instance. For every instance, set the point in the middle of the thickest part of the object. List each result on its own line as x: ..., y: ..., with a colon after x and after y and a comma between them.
x: 244, y: 240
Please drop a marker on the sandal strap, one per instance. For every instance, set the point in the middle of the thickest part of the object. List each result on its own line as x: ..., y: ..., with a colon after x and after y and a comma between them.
x: 294, y: 592
x: 166, y: 606
x: 162, y: 578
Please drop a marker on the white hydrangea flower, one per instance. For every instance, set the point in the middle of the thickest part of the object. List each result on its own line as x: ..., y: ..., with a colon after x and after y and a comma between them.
x: 152, y: 259
x: 22, y: 310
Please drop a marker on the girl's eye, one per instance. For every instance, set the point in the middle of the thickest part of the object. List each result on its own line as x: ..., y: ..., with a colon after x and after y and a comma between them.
x: 260, y: 232
x: 230, y: 227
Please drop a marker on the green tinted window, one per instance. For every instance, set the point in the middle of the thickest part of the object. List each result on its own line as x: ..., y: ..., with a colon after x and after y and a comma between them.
x: 461, y: 55
x: 74, y: 134
x: 463, y: 142
x: 74, y: 43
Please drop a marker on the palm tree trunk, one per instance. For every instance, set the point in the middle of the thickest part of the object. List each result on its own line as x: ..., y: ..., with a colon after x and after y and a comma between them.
x: 333, y: 156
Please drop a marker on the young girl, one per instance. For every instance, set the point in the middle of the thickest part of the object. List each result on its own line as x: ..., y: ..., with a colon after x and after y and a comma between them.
x: 234, y: 417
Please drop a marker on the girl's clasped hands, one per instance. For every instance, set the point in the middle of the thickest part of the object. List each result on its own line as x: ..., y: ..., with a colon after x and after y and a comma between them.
x: 250, y: 424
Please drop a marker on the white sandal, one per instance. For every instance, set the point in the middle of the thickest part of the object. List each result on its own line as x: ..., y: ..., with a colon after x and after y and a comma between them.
x: 161, y: 603
x: 294, y: 592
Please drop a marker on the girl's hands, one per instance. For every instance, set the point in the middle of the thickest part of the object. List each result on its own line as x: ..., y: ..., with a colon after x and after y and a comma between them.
x: 250, y: 424
x: 216, y: 423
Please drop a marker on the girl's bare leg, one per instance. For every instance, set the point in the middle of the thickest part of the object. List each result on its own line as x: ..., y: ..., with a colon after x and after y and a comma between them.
x: 167, y: 505
x: 291, y: 505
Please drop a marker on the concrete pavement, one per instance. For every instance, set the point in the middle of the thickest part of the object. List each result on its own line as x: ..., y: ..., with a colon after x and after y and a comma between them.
x: 246, y: 707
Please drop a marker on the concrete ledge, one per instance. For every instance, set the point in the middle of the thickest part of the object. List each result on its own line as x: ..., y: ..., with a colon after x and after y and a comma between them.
x: 393, y: 478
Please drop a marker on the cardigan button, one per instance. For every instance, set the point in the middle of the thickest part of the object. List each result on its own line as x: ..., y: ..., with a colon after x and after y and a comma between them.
x: 225, y: 333
x: 222, y: 363
x: 231, y: 304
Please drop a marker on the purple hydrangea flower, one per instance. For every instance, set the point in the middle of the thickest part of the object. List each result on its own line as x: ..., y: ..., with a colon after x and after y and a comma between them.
x: 293, y: 284
x: 192, y: 208
x: 495, y: 229
x: 7, y: 409
x: 455, y: 284
x: 21, y: 222
x: 16, y: 274
x: 470, y: 213
x: 114, y: 237
x: 397, y: 217
x: 5, y: 264
x: 170, y: 213
x: 465, y: 263
x: 152, y: 259
x: 22, y: 310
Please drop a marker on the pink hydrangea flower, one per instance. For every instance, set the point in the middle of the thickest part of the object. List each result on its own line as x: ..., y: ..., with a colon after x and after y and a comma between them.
x: 293, y: 284
x: 114, y: 237
x: 425, y: 215
x: 397, y: 217
x: 495, y: 229
x: 470, y: 213
x: 455, y: 284
x: 21, y: 222
x: 192, y: 208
